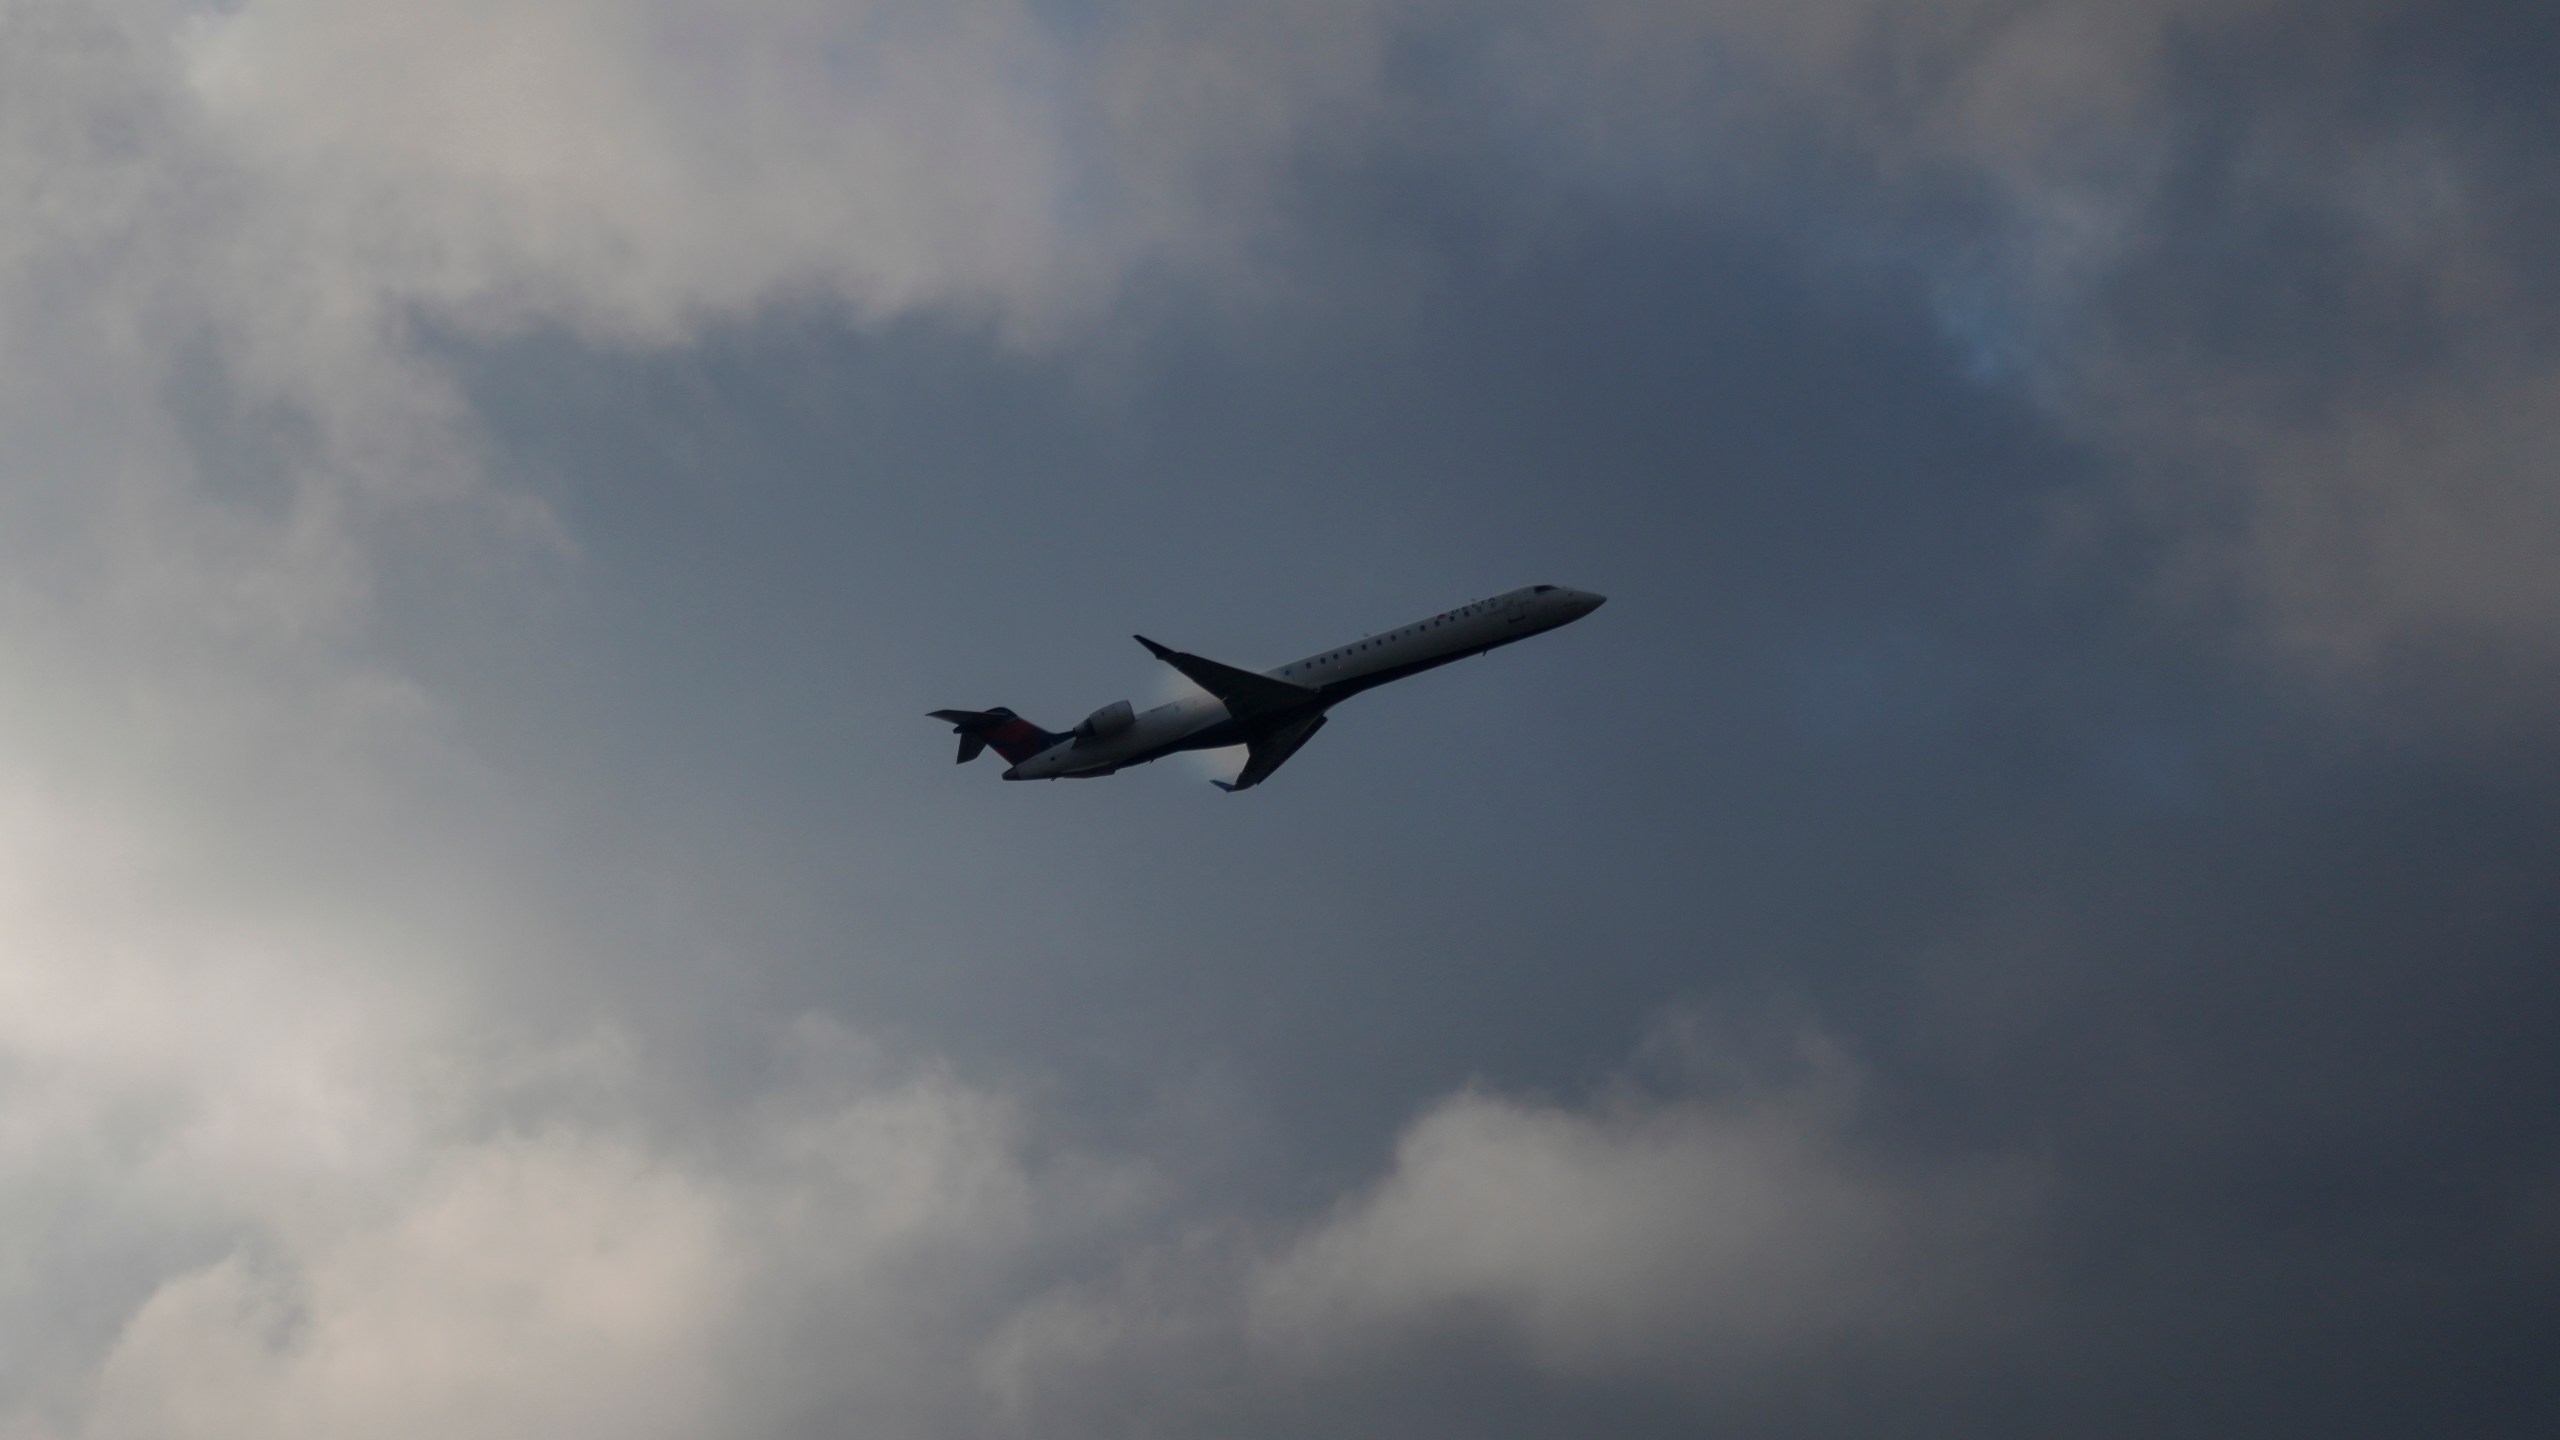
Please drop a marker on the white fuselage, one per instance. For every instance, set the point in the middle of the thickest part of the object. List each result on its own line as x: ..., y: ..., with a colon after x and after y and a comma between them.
x: 1202, y: 722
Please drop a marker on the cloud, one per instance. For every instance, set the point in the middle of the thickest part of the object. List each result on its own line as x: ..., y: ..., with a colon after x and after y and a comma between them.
x: 635, y: 171
x: 2277, y: 267
x: 1675, y: 1239
x: 400, y: 1235
x: 391, y: 1220
x: 2390, y: 538
x: 293, y: 1142
x: 1702, y: 1234
x: 2300, y: 319
x: 294, y: 188
x: 570, y: 1281
x: 520, y: 1288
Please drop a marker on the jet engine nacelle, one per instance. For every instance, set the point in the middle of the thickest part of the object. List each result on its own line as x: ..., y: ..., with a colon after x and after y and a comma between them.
x: 1110, y: 720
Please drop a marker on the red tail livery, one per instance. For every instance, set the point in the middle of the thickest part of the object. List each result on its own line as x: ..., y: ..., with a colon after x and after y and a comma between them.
x: 1013, y: 737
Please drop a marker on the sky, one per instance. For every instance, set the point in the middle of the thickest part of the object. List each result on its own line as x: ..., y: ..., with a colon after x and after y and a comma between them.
x: 2031, y: 911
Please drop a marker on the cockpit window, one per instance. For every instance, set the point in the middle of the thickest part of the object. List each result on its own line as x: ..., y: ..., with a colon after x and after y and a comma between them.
x: 1540, y: 589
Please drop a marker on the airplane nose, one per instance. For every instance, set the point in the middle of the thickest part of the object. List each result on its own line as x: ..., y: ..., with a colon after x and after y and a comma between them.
x: 1589, y: 600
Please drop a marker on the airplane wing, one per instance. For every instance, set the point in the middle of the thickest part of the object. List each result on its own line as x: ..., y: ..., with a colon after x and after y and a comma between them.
x: 1244, y: 692
x: 1271, y: 752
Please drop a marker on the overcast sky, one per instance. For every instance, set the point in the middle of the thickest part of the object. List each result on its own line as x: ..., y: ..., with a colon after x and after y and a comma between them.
x: 2033, y: 910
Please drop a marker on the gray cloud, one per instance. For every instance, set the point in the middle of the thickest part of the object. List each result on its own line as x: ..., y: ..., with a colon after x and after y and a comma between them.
x: 488, y: 488
x: 304, y: 183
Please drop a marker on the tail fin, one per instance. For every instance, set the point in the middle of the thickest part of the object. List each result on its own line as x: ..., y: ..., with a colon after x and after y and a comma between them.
x: 1013, y: 737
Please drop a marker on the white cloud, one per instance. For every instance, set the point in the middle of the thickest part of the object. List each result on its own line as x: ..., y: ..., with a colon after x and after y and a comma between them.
x: 577, y: 1280
x: 1677, y: 1239
x: 519, y: 1289
x: 1708, y: 1237
x: 387, y: 1234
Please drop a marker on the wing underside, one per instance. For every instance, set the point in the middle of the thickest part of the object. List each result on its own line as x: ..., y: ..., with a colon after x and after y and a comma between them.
x: 1271, y: 752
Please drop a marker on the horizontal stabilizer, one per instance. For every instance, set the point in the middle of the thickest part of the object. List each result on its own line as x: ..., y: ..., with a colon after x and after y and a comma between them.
x: 1243, y: 692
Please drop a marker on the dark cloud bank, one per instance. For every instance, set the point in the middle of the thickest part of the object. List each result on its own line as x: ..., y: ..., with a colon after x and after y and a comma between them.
x: 2032, y: 909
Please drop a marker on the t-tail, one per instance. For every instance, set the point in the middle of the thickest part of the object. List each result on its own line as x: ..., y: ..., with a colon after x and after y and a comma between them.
x: 1011, y: 736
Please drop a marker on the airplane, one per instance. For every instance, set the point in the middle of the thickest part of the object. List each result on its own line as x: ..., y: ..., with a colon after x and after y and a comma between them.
x: 1272, y: 713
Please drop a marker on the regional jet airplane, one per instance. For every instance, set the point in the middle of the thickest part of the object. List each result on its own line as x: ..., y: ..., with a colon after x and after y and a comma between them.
x: 1272, y: 713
